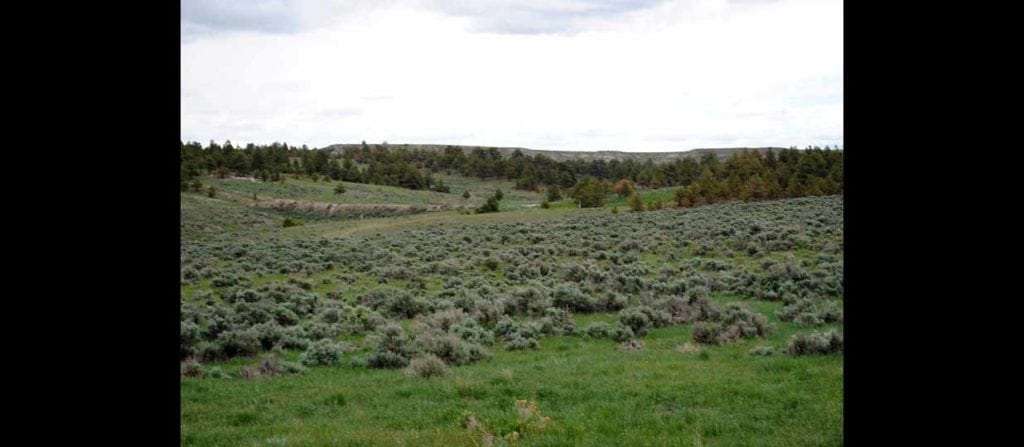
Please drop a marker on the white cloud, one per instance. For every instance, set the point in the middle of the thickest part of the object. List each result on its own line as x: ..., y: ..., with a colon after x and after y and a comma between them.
x: 676, y: 75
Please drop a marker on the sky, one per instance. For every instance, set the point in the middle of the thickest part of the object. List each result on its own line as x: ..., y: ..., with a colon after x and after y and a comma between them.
x: 642, y: 75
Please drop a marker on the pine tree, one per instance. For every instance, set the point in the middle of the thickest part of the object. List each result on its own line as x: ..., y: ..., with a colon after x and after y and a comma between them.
x: 754, y: 189
x: 708, y: 187
x: 553, y: 193
x: 635, y: 204
x: 625, y: 187
x: 490, y: 207
x: 590, y: 192
x: 680, y: 196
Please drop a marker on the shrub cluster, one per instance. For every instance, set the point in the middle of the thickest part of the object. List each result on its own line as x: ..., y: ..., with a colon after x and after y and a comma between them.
x: 806, y: 312
x: 492, y: 275
x: 393, y: 349
x: 735, y: 322
x: 322, y: 352
x: 427, y: 366
x: 815, y: 344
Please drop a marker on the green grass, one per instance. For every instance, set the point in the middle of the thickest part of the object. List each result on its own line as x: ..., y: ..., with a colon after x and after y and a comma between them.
x: 665, y: 195
x: 323, y: 191
x: 359, y: 193
x: 593, y: 393
x: 480, y: 190
x: 231, y: 211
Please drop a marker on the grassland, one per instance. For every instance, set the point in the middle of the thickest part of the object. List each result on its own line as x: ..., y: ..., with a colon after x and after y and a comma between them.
x: 242, y: 189
x: 594, y: 394
x: 765, y: 256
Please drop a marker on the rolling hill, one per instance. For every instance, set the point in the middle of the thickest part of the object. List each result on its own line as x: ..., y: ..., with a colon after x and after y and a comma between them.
x: 656, y: 157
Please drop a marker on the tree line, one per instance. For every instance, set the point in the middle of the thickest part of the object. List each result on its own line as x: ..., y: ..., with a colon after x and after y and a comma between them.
x: 746, y: 175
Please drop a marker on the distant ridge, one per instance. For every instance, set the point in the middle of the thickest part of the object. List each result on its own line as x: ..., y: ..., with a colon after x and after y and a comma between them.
x: 506, y: 152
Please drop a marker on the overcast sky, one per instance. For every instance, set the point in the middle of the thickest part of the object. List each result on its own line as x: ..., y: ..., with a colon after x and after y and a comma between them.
x: 642, y: 75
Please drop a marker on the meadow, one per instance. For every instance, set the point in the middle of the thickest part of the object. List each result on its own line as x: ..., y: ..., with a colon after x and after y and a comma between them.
x: 716, y: 325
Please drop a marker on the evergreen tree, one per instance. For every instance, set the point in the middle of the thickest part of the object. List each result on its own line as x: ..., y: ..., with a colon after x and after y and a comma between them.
x: 490, y: 207
x: 590, y: 192
x: 553, y: 193
x: 657, y: 177
x: 708, y: 187
x: 635, y: 204
x: 333, y: 170
x: 745, y: 175
x: 529, y: 179
x: 835, y: 178
x: 793, y: 188
x: 690, y: 197
x: 754, y: 189
x: 680, y: 196
x: 625, y: 187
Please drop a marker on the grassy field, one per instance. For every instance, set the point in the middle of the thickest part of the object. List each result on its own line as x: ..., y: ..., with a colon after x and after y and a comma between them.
x: 594, y: 395
x: 242, y: 190
x: 227, y: 213
x: 768, y: 257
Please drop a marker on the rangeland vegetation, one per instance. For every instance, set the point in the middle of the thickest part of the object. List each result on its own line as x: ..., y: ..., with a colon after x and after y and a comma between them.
x: 411, y: 319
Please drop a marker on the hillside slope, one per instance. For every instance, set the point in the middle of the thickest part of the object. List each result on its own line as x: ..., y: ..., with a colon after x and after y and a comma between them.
x: 657, y: 157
